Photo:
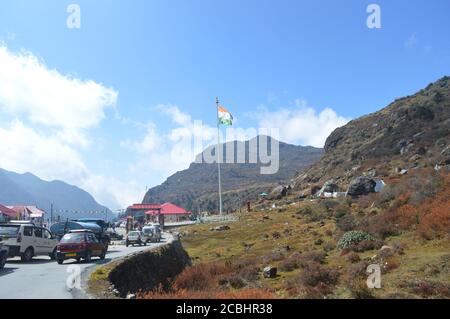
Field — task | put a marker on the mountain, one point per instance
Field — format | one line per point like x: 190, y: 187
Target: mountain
x: 412, y: 132
x: 196, y: 188
x: 27, y: 189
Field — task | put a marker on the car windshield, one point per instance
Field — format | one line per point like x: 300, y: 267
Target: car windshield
x: 9, y: 230
x: 147, y: 231
x: 134, y: 233
x: 72, y: 238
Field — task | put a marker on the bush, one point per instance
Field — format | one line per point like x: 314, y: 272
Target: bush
x: 367, y: 245
x: 353, y: 257
x: 352, y: 238
x: 314, y: 273
x: 346, y: 223
x: 249, y: 273
x: 200, y: 277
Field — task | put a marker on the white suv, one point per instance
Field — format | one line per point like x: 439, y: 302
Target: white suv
x: 27, y: 240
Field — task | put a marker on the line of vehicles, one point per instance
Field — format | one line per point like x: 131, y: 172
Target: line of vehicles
x: 79, y: 239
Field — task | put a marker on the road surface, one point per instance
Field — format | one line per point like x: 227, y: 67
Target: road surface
x: 43, y: 278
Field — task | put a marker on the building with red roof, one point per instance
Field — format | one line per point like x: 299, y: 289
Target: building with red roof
x: 171, y: 213
x: 7, y: 213
x: 167, y: 212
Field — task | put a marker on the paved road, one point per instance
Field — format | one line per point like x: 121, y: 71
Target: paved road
x: 45, y: 279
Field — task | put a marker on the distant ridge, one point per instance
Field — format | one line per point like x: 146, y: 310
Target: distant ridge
x: 28, y: 189
x: 196, y: 188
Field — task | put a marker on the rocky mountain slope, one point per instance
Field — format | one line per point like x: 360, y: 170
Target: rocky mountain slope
x: 411, y: 132
x: 196, y: 188
x: 27, y: 189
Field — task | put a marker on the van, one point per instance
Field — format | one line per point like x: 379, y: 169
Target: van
x: 26, y: 240
x: 152, y: 232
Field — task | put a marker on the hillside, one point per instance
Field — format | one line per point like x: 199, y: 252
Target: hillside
x: 27, y: 189
x: 197, y: 187
x: 412, y: 132
x: 326, y: 247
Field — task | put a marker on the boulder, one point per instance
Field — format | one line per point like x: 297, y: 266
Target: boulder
x: 361, y: 186
x: 270, y: 272
x: 221, y: 228
x: 329, y: 187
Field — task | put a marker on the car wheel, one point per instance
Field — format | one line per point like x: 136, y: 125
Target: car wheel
x: 88, y: 256
x: 2, y: 261
x: 78, y: 259
x: 27, y: 255
x: 103, y: 255
x: 60, y: 261
x: 53, y: 254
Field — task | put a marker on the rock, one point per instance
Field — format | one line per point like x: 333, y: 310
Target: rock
x: 328, y: 187
x: 280, y: 191
x: 386, y: 247
x: 270, y: 272
x: 221, y: 228
x: 446, y: 151
x: 361, y: 186
x: 131, y: 296
x: 403, y: 171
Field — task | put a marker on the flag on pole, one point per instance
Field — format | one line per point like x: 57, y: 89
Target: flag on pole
x: 224, y: 117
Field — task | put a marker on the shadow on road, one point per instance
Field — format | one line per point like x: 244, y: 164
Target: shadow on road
x: 32, y: 262
x: 7, y: 270
x: 82, y: 262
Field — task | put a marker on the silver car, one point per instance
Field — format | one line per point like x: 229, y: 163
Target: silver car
x: 134, y: 237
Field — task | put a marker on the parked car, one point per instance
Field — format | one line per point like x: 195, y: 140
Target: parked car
x: 28, y: 240
x: 153, y: 233
x: 134, y: 237
x: 3, y: 255
x: 80, y: 244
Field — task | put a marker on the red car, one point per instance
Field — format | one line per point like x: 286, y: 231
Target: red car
x: 79, y: 244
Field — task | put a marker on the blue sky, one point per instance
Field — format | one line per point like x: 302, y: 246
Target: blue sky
x: 303, y: 66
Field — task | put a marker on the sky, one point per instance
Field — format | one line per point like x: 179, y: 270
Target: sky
x: 105, y: 106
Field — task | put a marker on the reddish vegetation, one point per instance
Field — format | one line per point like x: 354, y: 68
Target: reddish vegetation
x: 209, y: 281
x: 427, y: 212
x: 248, y: 293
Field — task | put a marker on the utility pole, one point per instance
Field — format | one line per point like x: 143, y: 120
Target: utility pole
x: 51, y: 214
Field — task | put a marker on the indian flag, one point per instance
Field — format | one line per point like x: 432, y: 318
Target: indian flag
x: 224, y: 117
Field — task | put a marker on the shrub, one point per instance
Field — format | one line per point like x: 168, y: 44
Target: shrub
x: 200, y: 277
x: 353, y: 257
x: 352, y: 238
x: 346, y: 223
x: 367, y: 245
x: 249, y: 273
x: 314, y: 273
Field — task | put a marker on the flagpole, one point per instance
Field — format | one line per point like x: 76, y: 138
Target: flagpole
x: 218, y: 157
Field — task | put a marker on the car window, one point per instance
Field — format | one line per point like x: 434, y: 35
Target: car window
x: 28, y: 231
x: 9, y: 230
x: 38, y: 232
x: 94, y: 239
x: 47, y: 234
x: 72, y: 238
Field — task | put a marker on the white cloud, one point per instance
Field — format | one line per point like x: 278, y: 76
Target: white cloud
x: 165, y: 152
x: 52, y: 115
x: 22, y: 149
x: 45, y: 96
x: 301, y: 124
x: 150, y: 142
